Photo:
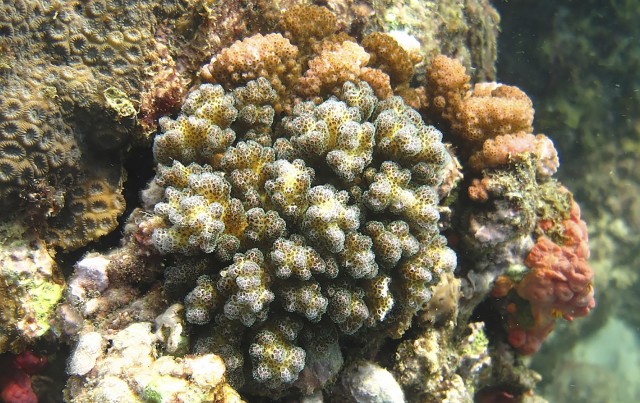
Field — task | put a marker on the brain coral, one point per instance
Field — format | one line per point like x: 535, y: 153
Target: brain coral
x: 71, y: 75
x: 35, y: 143
x: 317, y: 228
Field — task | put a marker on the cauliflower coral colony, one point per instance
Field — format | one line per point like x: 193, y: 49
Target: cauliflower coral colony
x: 299, y: 202
x: 330, y: 221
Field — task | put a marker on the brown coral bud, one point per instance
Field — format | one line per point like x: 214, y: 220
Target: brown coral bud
x: 388, y: 56
x: 378, y: 80
x: 414, y: 97
x: 447, y: 82
x: 479, y: 190
x: 492, y: 109
x: 336, y: 64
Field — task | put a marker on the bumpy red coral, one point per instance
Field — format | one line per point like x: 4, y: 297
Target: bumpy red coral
x: 558, y: 284
x: 15, y: 380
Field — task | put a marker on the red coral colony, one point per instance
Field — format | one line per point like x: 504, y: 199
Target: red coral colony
x: 557, y: 284
x: 15, y: 376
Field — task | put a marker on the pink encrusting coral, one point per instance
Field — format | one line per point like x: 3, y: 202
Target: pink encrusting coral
x: 510, y: 148
x: 558, y: 284
x: 561, y: 269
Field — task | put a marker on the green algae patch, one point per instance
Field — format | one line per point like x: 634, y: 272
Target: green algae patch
x: 169, y: 389
x: 30, y: 287
x: 44, y: 298
x: 478, y: 344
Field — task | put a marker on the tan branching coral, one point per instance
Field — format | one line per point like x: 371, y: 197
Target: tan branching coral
x: 335, y: 64
x: 311, y: 60
x: 490, y: 110
x: 447, y: 84
x: 388, y: 56
x: 307, y: 25
x: 494, y: 121
x: 271, y: 56
x: 475, y: 114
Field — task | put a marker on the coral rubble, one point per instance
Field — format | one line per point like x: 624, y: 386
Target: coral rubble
x: 131, y: 347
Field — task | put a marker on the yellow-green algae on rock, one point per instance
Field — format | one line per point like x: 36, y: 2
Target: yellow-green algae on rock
x: 30, y: 287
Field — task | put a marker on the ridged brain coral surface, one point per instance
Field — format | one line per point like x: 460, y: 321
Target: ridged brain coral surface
x: 331, y: 219
x: 71, y: 75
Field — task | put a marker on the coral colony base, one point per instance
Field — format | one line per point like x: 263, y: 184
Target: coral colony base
x: 308, y: 231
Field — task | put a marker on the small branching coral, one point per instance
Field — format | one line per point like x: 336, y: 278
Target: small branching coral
x: 321, y: 226
x: 308, y: 59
